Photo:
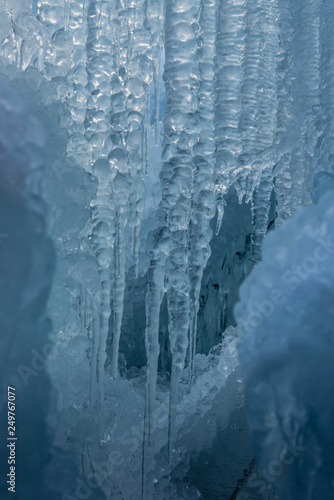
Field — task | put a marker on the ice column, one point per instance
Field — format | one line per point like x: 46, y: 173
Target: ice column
x: 325, y: 123
x: 181, y: 135
x: 97, y: 123
x: 306, y: 97
x: 203, y: 202
x: 282, y: 184
x: 230, y: 46
x: 260, y: 176
x: 171, y: 240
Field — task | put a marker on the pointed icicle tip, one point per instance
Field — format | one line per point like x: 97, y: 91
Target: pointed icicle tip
x: 220, y: 215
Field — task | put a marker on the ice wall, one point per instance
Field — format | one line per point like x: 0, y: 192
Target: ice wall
x: 286, y: 352
x: 27, y: 263
x: 27, y: 260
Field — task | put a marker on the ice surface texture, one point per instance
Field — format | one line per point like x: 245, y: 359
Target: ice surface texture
x: 286, y: 352
x: 248, y: 113
x: 27, y: 262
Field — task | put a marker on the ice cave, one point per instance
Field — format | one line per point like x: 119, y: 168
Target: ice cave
x: 167, y: 249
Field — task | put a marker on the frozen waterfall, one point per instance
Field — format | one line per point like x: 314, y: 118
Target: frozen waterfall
x: 155, y: 144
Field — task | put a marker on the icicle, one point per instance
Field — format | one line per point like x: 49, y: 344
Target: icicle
x: 282, y: 189
x: 93, y: 392
x: 182, y: 132
x: 147, y: 130
x: 104, y: 328
x: 282, y: 185
x: 220, y: 213
x: 260, y: 213
x: 178, y: 325
x: 326, y: 115
x: 267, y: 100
x: 155, y: 292
x: 310, y: 23
x: 97, y: 125
x: 156, y: 78
x: 154, y: 23
x: 66, y: 14
x: 101, y: 239
x: 154, y: 295
x: 84, y: 10
x: 121, y: 193
x: 181, y: 126
x: 266, y: 114
x: 305, y: 62
x: 250, y: 83
x: 230, y: 45
x: 136, y: 78
x: 32, y: 38
x: 327, y: 68
x: 203, y: 188
x: 139, y: 213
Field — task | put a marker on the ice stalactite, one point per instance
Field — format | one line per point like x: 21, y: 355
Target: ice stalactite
x: 260, y: 212
x: 100, y: 68
x: 203, y: 203
x: 170, y: 255
x: 66, y: 14
x: 310, y: 36
x: 101, y: 238
x: 298, y: 97
x: 119, y: 165
x: 282, y: 183
x: 130, y: 133
x: 78, y: 75
x: 250, y: 116
x: 154, y: 21
x: 121, y: 195
x: 266, y: 114
x: 267, y: 88
x: 32, y: 39
x: 230, y: 47
x: 251, y: 62
x: 155, y: 292
x: 154, y: 295
x: 325, y: 120
x: 181, y: 135
x: 306, y: 60
x: 250, y: 105
x: 138, y: 127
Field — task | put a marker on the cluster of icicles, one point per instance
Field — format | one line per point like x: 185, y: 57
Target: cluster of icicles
x: 249, y: 103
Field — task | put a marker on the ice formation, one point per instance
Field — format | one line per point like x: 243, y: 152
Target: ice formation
x: 159, y: 118
x: 285, y: 321
x: 26, y: 262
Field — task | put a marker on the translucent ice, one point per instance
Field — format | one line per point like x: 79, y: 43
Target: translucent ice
x: 162, y: 121
x: 286, y: 327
